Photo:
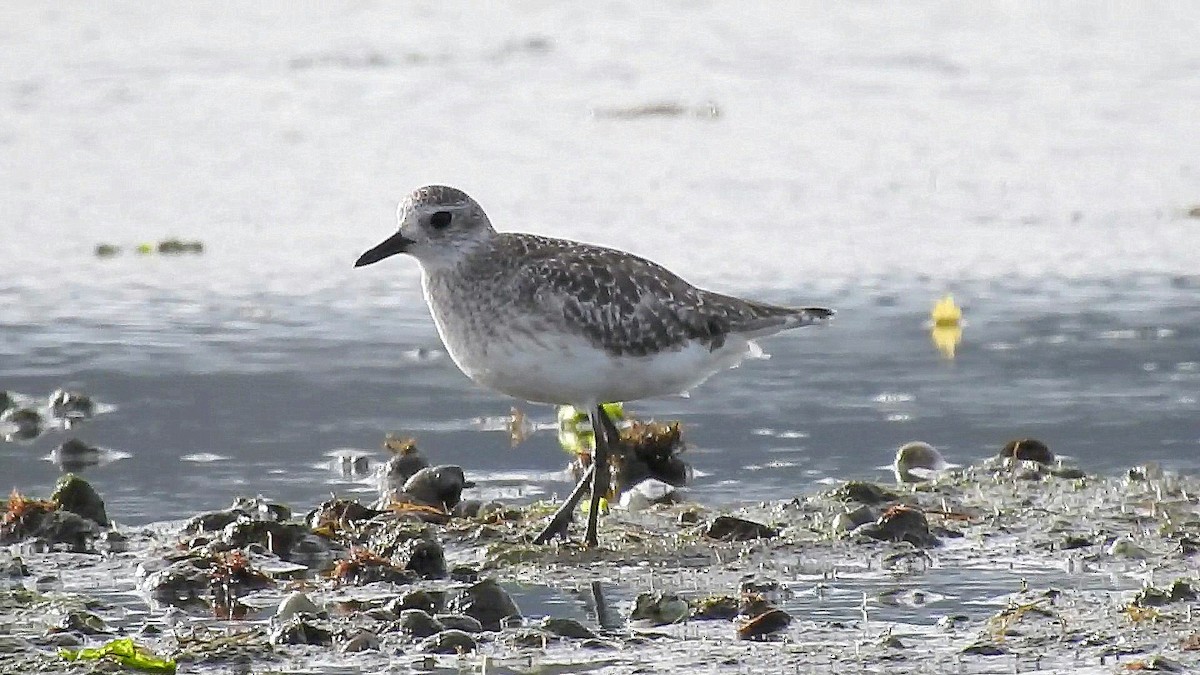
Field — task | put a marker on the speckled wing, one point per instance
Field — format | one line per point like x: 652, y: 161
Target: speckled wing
x: 630, y: 306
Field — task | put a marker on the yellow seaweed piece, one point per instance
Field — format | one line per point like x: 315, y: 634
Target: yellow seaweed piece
x: 125, y: 652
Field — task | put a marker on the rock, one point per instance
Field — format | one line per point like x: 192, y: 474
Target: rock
x: 916, y: 462
x: 1074, y: 541
x: 1028, y: 450
x: 260, y: 508
x: 985, y: 649
x: 418, y: 623
x: 731, y: 528
x: 448, y: 642
x: 863, y: 493
x: 430, y: 602
x: 181, y: 581
x: 424, y: 557
x: 716, y: 607
x: 365, y: 567
x: 464, y: 573
x: 76, y: 495
x: 439, y: 486
x: 45, y: 521
x: 6, y: 401
x: 660, y: 609
x: 486, y: 602
x: 75, y: 455
x: 901, y: 523
x: 81, y: 622
x: 568, y: 628
x: 649, y: 492
x: 1163, y: 664
x: 770, y: 621
x: 299, y: 630
x: 337, y: 512
x: 71, y: 404
x: 278, y: 538
x: 296, y: 603
x: 28, y: 422
x: 854, y: 518
x: 526, y: 638
x: 460, y: 622
x: 1124, y: 547
x: 401, y: 466
x: 14, y: 568
x: 211, y: 521
x: 362, y: 641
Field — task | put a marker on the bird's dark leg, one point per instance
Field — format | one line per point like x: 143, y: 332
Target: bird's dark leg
x: 562, y: 517
x: 604, y: 431
x: 600, y: 430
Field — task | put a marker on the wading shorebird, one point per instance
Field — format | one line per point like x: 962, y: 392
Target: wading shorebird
x: 561, y: 322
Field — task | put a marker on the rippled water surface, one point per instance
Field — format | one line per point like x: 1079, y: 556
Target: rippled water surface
x: 1039, y: 163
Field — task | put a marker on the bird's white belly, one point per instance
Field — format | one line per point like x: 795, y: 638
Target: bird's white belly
x: 566, y: 369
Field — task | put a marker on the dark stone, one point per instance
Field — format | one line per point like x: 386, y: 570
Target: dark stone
x: 76, y: 495
x: 568, y: 628
x: 300, y: 631
x: 448, y: 642
x: 1028, y: 450
x: 901, y: 523
x: 261, y: 509
x: 460, y: 622
x: 418, y: 623
x: 464, y: 573
x: 730, y: 528
x: 439, y: 486
x: 486, y: 602
x: 864, y: 493
x: 403, y: 465
x: 81, y: 622
x: 1073, y: 541
x: 6, y: 401
x: 425, y: 557
x: 211, y: 521
x: 27, y: 420
x: 716, y: 607
x: 985, y: 649
x: 278, y: 538
x: 362, y: 641
x: 430, y: 602
x: 770, y: 621
x: 335, y: 512
x: 71, y: 404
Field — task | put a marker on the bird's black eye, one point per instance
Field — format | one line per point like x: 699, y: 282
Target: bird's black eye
x: 440, y: 220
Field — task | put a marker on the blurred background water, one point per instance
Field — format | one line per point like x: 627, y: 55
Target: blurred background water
x: 1037, y: 161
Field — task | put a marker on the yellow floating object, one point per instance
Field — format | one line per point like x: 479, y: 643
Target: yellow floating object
x: 575, y: 429
x: 946, y: 339
x: 946, y: 313
x: 145, y: 249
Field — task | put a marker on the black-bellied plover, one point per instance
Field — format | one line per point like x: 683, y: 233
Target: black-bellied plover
x: 556, y: 321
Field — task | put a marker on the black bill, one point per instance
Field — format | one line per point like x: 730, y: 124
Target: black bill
x: 397, y: 243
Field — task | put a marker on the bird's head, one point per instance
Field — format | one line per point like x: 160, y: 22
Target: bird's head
x: 438, y: 225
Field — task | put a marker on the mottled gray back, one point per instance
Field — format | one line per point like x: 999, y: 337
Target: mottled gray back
x: 621, y: 303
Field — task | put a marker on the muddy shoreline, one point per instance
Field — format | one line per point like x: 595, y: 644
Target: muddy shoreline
x: 1102, y: 577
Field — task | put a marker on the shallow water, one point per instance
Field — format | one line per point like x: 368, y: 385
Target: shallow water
x: 1036, y: 162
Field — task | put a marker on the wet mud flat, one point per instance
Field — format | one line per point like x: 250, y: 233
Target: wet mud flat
x: 1006, y: 566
